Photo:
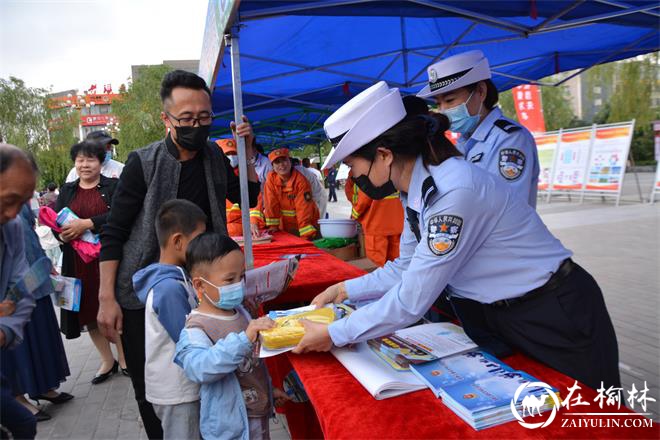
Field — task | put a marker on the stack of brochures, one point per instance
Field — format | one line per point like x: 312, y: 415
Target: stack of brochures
x: 479, y: 388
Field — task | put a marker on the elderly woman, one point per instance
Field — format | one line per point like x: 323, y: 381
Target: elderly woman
x: 89, y: 197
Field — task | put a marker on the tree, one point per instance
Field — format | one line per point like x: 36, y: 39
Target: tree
x: 139, y: 110
x: 48, y: 133
x: 54, y: 161
x: 636, y: 80
x: 557, y: 111
x: 23, y: 115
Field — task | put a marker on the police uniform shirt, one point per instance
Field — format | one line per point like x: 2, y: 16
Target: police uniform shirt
x: 506, y: 149
x: 473, y: 233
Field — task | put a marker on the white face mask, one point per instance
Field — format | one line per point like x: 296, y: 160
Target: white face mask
x: 233, y: 160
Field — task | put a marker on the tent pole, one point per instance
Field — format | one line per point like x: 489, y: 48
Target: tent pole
x: 231, y: 40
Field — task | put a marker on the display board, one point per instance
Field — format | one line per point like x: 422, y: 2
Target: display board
x: 587, y: 161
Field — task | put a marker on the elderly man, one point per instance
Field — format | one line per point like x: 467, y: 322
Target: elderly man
x: 17, y: 181
x: 184, y: 165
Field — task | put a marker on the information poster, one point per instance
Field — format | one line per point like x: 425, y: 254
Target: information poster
x: 656, y: 184
x: 608, y: 159
x: 572, y: 161
x: 546, y: 146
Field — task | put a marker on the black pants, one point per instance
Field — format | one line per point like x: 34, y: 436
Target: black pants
x: 332, y: 193
x: 133, y: 340
x: 13, y: 416
x: 566, y: 327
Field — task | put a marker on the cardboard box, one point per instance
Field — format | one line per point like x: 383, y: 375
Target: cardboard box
x: 346, y: 253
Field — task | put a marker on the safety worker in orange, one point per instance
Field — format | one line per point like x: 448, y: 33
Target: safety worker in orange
x: 234, y: 221
x: 381, y: 220
x: 288, y: 202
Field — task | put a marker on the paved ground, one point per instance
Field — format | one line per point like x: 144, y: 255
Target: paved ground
x: 620, y: 246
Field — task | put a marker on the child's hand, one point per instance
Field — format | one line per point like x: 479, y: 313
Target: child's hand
x: 256, y: 325
x: 280, y: 397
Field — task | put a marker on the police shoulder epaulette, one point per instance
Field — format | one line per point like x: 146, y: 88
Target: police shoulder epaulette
x: 507, y: 126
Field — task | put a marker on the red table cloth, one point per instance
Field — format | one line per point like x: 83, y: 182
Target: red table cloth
x: 316, y: 272
x: 346, y: 410
x: 282, y: 241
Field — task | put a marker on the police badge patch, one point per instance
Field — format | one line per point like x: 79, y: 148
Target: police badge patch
x: 512, y: 163
x: 444, y: 232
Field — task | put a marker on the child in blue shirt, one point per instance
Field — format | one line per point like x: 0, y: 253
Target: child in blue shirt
x: 168, y: 297
x: 217, y: 347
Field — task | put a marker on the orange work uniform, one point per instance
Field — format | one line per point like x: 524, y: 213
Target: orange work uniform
x: 234, y: 221
x: 381, y: 220
x: 289, y: 206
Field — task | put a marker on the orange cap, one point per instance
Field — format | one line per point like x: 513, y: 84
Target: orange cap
x: 227, y: 145
x: 280, y: 152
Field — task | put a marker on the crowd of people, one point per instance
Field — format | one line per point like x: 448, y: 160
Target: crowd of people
x: 166, y: 284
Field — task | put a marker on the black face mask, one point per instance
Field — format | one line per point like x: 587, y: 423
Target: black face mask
x: 192, y: 138
x: 374, y: 192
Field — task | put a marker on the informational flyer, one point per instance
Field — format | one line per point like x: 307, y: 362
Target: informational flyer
x: 572, y: 161
x: 608, y: 158
x: 546, y: 146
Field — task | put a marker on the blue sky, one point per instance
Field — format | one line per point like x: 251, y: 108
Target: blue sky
x: 72, y: 44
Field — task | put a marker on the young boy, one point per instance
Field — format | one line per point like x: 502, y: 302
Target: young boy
x: 169, y: 297
x: 216, y: 349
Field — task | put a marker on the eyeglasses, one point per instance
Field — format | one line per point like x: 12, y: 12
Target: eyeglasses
x: 187, y: 121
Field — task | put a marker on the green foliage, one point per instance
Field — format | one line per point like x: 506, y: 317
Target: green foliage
x: 55, y: 161
x: 507, y: 105
x: 23, y: 115
x: 557, y: 110
x: 635, y: 84
x: 139, y: 111
x: 27, y: 122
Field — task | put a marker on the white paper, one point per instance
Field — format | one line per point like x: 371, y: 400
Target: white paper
x: 441, y: 339
x: 378, y: 378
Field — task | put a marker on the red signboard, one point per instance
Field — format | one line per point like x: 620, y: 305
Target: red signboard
x: 92, y: 120
x: 527, y: 99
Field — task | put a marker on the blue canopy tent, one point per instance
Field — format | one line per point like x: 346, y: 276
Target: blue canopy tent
x: 300, y: 60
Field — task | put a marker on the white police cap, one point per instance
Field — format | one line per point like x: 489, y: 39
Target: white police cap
x: 361, y: 120
x: 455, y: 72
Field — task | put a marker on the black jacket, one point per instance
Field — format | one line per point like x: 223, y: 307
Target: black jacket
x: 106, y: 188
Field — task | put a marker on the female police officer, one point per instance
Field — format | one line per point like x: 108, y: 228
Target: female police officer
x: 463, y: 227
x: 464, y: 93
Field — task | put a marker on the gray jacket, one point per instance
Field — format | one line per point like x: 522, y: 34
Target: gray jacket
x: 161, y: 176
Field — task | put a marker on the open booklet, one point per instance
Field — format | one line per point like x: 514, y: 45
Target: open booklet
x: 421, y: 343
x: 377, y: 377
x: 268, y: 282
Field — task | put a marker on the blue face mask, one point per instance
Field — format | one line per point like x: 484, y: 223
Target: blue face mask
x: 108, y: 156
x: 461, y: 120
x: 229, y: 297
x: 233, y: 160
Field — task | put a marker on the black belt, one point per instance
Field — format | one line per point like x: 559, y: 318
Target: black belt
x: 565, y: 268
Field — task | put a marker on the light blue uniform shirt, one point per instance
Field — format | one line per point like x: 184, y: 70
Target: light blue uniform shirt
x: 505, y: 149
x: 474, y: 233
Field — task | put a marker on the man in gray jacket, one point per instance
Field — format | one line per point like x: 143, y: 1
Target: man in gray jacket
x: 184, y: 165
x: 17, y: 181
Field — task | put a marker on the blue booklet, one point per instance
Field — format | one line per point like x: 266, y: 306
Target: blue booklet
x: 442, y: 373
x: 489, y: 392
